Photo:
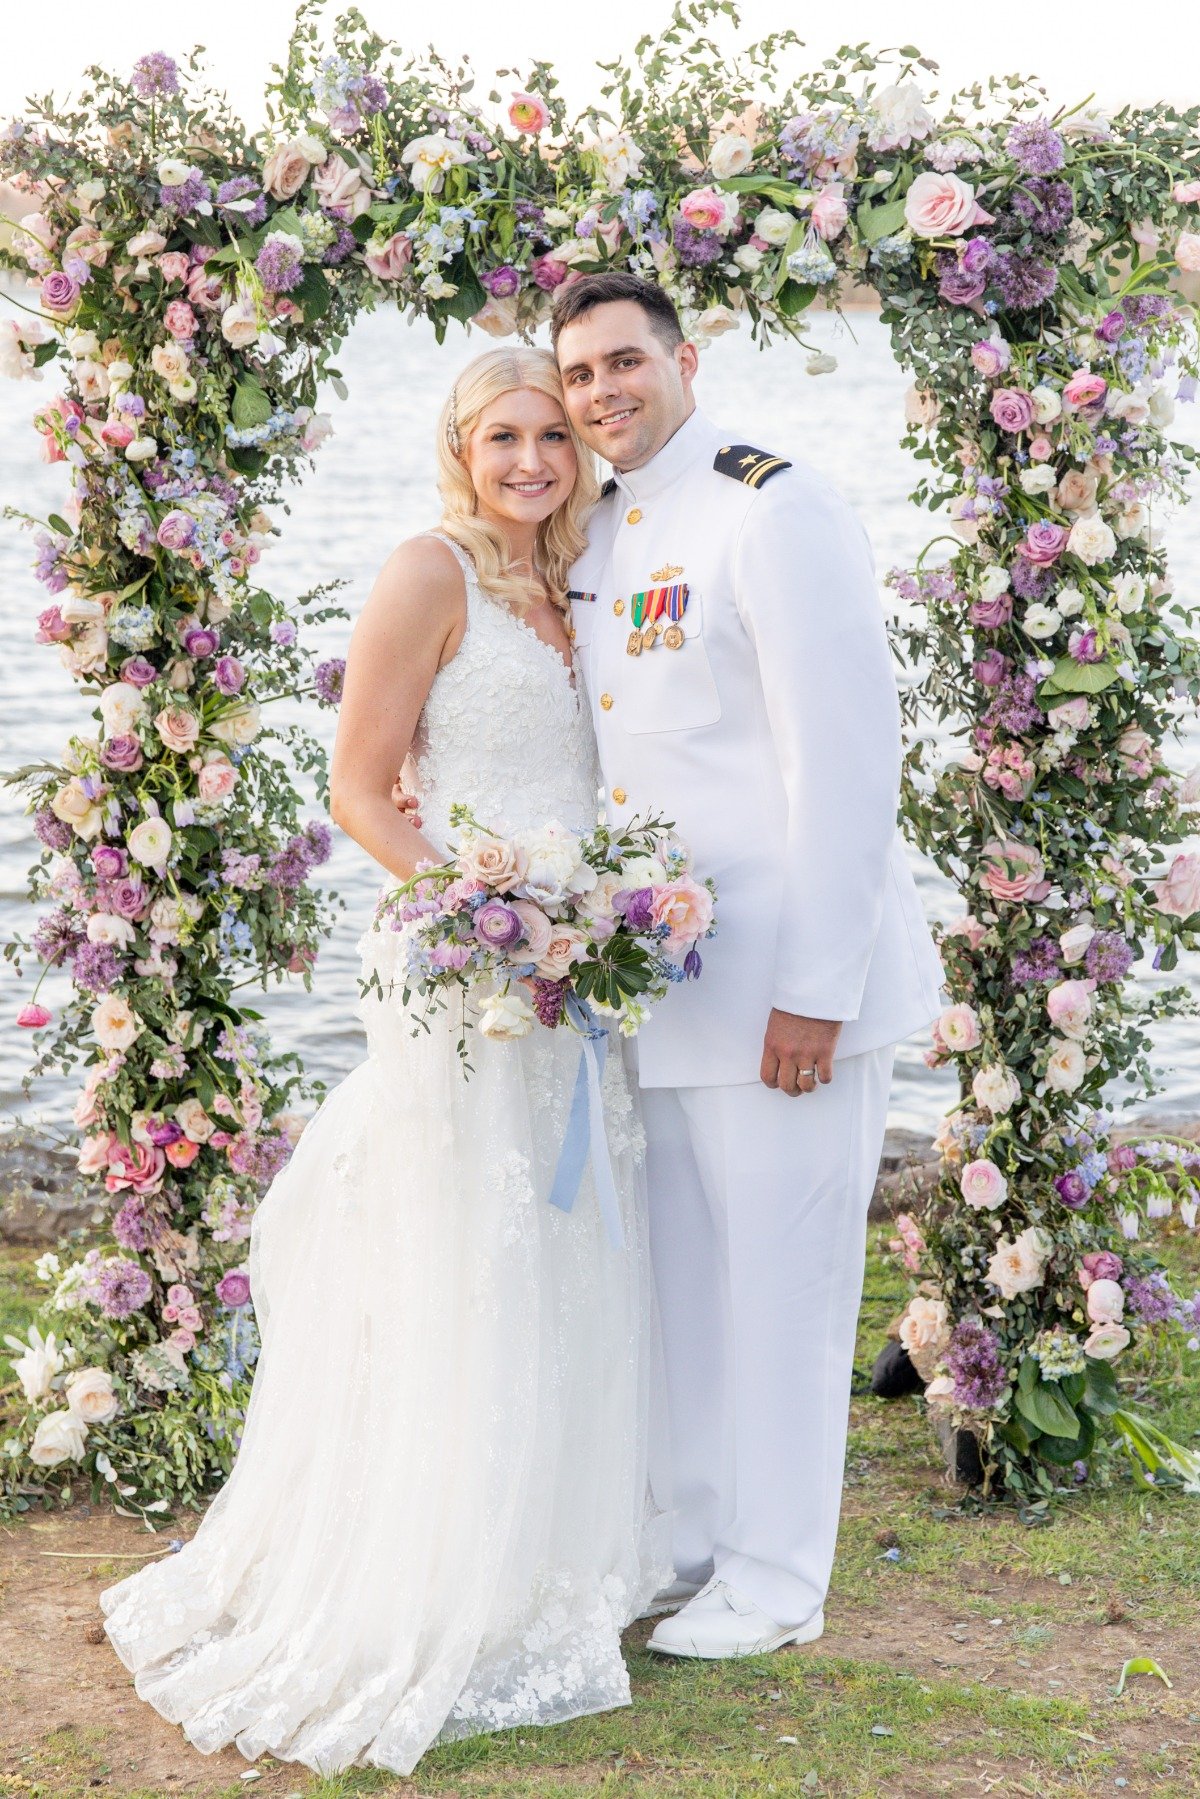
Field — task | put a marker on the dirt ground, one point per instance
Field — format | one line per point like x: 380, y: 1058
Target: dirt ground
x: 60, y: 1682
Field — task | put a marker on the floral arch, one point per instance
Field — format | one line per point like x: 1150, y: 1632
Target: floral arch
x: 194, y: 284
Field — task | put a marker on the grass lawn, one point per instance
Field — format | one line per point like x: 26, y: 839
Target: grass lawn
x: 966, y: 1652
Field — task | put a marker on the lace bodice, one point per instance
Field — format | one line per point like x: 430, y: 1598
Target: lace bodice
x: 503, y: 729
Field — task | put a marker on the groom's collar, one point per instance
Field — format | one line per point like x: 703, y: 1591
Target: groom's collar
x: 694, y: 438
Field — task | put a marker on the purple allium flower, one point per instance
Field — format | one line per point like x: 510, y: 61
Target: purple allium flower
x: 638, y: 908
x: 1110, y: 327
x: 372, y: 94
x: 241, y: 188
x: 343, y: 244
x: 138, y: 672
x: 1036, y: 147
x: 261, y: 1157
x: 973, y: 1358
x: 97, y: 967
x: 54, y: 832
x: 1048, y: 206
x: 185, y: 198
x: 328, y: 679
x: 123, y: 754
x: 56, y: 935
x: 154, y: 74
x: 320, y: 841
x: 497, y: 926
x: 1023, y: 281
x: 124, y: 1288
x: 1041, y: 961
x: 280, y: 263
x: 957, y: 284
x: 129, y: 1226
x: 1109, y: 956
x: 283, y: 633
x: 1072, y: 1189
x: 696, y: 249
x: 549, y: 1000
x: 233, y: 1288
x: 1143, y: 307
x: 1151, y: 1298
x: 1031, y: 580
x: 501, y: 282
x: 228, y: 674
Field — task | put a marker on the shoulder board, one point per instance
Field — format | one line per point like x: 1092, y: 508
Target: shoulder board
x: 742, y: 462
x: 610, y: 486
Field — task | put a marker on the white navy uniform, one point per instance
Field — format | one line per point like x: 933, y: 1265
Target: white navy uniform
x: 769, y: 734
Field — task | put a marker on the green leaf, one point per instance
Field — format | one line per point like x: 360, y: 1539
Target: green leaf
x: 250, y: 404
x: 1045, y: 1406
x: 1101, y: 1394
x: 313, y: 293
x: 469, y: 299
x: 794, y: 296
x: 1140, y: 1664
x: 1062, y: 1451
x: 246, y: 461
x: 46, y: 353
x: 1078, y: 677
x: 875, y: 222
x: 57, y: 523
x: 1029, y: 1373
x: 260, y: 608
x: 780, y: 193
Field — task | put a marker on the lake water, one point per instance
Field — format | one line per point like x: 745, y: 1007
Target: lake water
x: 373, y: 485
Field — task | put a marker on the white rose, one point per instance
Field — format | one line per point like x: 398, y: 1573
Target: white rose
x: 169, y: 361
x: 1069, y: 601
x: 38, y: 1362
x: 109, y: 927
x: 92, y: 380
x: 1074, y: 943
x: 993, y: 582
x: 775, y: 226
x: 1039, y: 479
x: 240, y: 726
x: 115, y: 1025
x: 1040, y: 621
x: 732, y: 154
x: 1018, y: 1266
x: 90, y: 1396
x: 1046, y: 404
x: 194, y: 1121
x: 505, y: 1016
x: 900, y: 117
x: 996, y: 1089
x: 239, y: 322
x: 1131, y: 521
x: 1066, y: 1067
x: 557, y: 218
x: 121, y: 706
x: 1091, y: 540
x: 71, y: 803
x: 146, y: 243
x: 713, y: 322
x: 58, y: 1438
x: 925, y: 1325
x: 748, y: 259
x: 150, y: 842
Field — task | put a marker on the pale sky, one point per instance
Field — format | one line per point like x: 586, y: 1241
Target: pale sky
x: 1074, y: 50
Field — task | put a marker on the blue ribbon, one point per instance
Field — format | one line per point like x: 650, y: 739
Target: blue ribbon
x: 585, y: 1128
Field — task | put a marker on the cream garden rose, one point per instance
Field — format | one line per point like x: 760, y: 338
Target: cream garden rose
x: 90, y: 1396
x: 60, y: 1437
x: 1066, y: 1065
x: 996, y: 1089
x: 506, y: 1016
x: 1019, y: 1263
x: 115, y: 1025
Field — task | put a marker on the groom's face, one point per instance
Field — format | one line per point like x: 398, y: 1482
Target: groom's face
x: 626, y: 390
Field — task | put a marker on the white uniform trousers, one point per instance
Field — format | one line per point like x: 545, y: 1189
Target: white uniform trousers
x: 758, y: 1212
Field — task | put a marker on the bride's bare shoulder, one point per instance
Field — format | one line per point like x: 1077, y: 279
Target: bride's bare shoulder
x: 421, y: 574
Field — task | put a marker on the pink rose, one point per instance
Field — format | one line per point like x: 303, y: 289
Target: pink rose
x: 969, y: 928
x: 566, y: 946
x: 217, y: 779
x: 1012, y: 409
x: 1014, y: 871
x: 179, y: 319
x: 177, y: 728
x: 1187, y: 252
x: 704, y: 209
x: 685, y: 907
x: 830, y: 212
x: 1179, y: 894
x: 340, y: 189
x: 1187, y: 193
x: 536, y: 927
x: 942, y: 206
x: 1070, y: 715
x: 1084, y: 389
x: 1040, y: 449
x: 139, y: 1168
x: 388, y: 261
x: 285, y: 171
x: 205, y: 290
x: 529, y: 113
x: 1069, y: 1005
x: 173, y: 266
x: 1099, y: 1265
x: 991, y: 356
x: 548, y: 274
x: 1043, y: 543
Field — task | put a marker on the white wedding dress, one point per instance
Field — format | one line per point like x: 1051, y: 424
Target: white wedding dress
x: 440, y: 1518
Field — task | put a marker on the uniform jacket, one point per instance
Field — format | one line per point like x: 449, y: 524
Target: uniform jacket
x: 770, y: 738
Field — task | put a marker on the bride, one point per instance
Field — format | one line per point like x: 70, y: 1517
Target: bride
x: 440, y: 1519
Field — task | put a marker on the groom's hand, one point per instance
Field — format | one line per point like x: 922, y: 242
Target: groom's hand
x: 405, y: 802
x: 794, y: 1046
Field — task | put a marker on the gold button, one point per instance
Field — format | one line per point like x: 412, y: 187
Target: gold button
x: 633, y: 515
x: 606, y: 700
x: 618, y: 607
x: 618, y: 796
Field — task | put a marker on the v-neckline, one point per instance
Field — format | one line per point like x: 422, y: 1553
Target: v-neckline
x: 568, y: 668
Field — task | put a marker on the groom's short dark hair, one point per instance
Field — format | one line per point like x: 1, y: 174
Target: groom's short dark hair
x: 580, y: 297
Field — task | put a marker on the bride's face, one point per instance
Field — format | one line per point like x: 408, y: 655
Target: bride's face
x: 520, y: 457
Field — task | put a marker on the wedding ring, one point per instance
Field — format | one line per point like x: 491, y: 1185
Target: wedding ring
x: 803, y: 1071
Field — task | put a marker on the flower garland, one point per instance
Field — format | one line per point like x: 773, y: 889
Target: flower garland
x: 197, y: 283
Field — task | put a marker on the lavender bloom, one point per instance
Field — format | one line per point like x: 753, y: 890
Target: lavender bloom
x: 341, y: 247
x: 549, y: 1000
x: 54, y: 832
x: 695, y: 249
x: 1151, y: 1299
x: 186, y: 197
x: 283, y: 633
x: 1109, y: 956
x: 1072, y: 1190
x: 320, y: 841
x: 328, y: 680
x: 1031, y: 580
x: 57, y: 935
x: 279, y: 263
x: 1048, y: 207
x: 1036, y: 147
x: 1143, y: 307
x: 124, y: 1288
x: 97, y: 967
x: 261, y: 1157
x: 200, y: 641
x: 638, y: 907
x: 1042, y: 961
x: 154, y: 74
x: 978, y: 255
x: 973, y: 1359
x: 241, y: 188
x: 228, y: 675
x: 233, y: 1288
x: 129, y: 1226
x: 1024, y: 282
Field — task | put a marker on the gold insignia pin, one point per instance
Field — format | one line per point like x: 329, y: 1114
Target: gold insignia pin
x: 667, y: 573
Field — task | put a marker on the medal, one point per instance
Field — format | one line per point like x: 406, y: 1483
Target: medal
x: 634, y: 645
x: 673, y: 637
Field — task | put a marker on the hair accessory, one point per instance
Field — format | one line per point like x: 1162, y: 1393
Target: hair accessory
x: 452, y: 432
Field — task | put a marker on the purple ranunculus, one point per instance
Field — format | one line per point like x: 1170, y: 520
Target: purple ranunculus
x: 1103, y: 1265
x: 989, y: 615
x: 138, y: 672
x: 59, y: 293
x: 959, y: 286
x: 1044, y: 543
x: 177, y: 530
x: 639, y: 907
x: 1012, y: 409
x: 497, y: 926
x: 1122, y: 1157
x: 110, y: 863
x: 1110, y: 327
x: 1071, y: 1189
x: 503, y: 282
x: 200, y: 641
x: 1085, y: 646
x: 228, y: 674
x: 990, y: 668
x: 548, y: 274
x: 978, y: 255
x: 233, y: 1288
x: 162, y: 1131
x: 122, y: 754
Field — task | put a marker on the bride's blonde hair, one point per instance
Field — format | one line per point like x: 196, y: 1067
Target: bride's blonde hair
x: 560, y: 537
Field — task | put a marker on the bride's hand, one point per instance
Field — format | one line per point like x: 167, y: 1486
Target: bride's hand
x: 406, y: 802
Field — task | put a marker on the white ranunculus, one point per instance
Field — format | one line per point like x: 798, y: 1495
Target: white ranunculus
x: 109, y: 927
x: 1067, y: 1065
x: 150, y: 842
x: 1069, y: 601
x: 748, y: 258
x: 172, y: 171
x: 1038, y: 479
x: 1040, y: 621
x: 1092, y: 540
x: 1106, y: 1341
x: 38, y: 1361
x: 89, y: 1393
x: 1047, y: 404
x: 1018, y: 1265
x: 505, y: 1016
x: 996, y: 1088
x: 58, y: 1438
x: 732, y: 154
x: 993, y: 582
x: 774, y: 225
x: 1129, y: 591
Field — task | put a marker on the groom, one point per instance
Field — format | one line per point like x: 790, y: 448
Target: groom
x: 758, y: 711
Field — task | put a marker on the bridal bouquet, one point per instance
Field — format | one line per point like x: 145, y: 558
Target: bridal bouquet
x: 559, y: 925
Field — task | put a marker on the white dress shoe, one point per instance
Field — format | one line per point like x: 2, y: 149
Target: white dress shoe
x: 720, y: 1623
x: 671, y: 1598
